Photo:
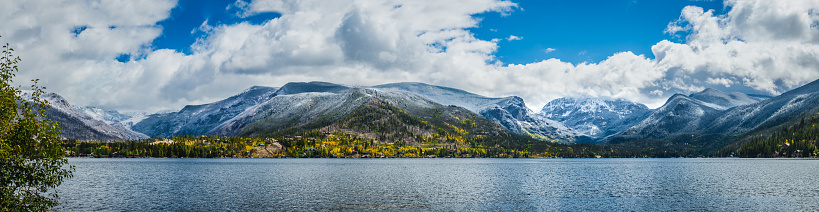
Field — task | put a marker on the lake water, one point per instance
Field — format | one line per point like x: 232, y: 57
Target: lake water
x: 441, y: 185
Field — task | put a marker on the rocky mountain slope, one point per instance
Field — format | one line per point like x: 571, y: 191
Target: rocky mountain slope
x: 299, y: 104
x: 769, y: 113
x: 203, y: 119
x: 597, y: 118
x: 511, y: 112
x: 721, y: 116
x: 75, y: 124
x: 385, y: 116
x: 417, y: 112
x: 377, y: 115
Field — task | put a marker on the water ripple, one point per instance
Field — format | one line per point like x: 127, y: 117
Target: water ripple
x: 440, y: 185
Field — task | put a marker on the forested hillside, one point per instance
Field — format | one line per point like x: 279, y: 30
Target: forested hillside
x: 797, y: 139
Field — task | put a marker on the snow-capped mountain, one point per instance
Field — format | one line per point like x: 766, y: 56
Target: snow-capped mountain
x: 201, y: 119
x: 329, y: 107
x: 596, y: 118
x: 75, y: 124
x: 293, y: 105
x: 383, y: 116
x: 511, y: 112
x: 310, y: 105
x: 686, y: 114
x: 299, y: 105
x: 135, y: 117
x: 113, y: 116
x: 769, y: 113
x: 307, y: 105
x: 107, y: 116
x: 725, y: 100
x: 260, y: 111
x: 308, y: 87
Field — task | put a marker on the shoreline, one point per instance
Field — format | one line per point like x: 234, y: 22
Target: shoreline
x: 438, y: 158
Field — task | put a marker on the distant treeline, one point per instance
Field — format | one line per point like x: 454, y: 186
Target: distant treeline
x: 330, y: 145
x: 180, y: 146
x: 797, y: 139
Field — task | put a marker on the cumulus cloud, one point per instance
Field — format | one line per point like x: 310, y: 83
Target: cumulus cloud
x: 71, y: 46
x: 767, y: 46
x: 758, y: 46
x: 549, y: 50
x: 512, y: 37
x: 720, y: 81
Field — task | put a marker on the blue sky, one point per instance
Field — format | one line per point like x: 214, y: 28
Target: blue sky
x: 583, y: 30
x: 154, y: 55
x: 179, y: 31
x: 577, y: 31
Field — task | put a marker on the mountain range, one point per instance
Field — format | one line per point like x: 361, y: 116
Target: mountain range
x: 75, y: 123
x: 597, y: 118
x: 709, y: 118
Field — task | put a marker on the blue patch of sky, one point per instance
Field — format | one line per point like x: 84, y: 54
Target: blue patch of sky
x: 123, y: 58
x: 583, y: 30
x: 77, y: 30
x: 179, y: 31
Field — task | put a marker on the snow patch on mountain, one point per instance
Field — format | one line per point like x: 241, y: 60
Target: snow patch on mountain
x: 724, y: 100
x: 201, y: 119
x: 107, y: 116
x: 596, y: 118
x: 511, y: 112
x: 797, y: 102
x: 768, y: 113
x: 443, y: 95
x: 695, y: 113
x: 92, y: 128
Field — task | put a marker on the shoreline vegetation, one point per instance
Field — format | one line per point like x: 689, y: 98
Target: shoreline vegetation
x: 315, y: 144
x: 319, y: 145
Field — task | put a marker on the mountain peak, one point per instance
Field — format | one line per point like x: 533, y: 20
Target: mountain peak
x: 597, y: 118
x: 307, y: 87
x: 711, y: 90
x: 256, y: 87
x: 419, y: 87
x: 723, y: 99
x: 676, y: 97
x: 807, y: 88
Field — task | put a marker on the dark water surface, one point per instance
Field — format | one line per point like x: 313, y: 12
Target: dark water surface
x: 441, y: 185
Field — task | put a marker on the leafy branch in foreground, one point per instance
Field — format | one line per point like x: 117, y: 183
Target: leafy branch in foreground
x: 30, y: 147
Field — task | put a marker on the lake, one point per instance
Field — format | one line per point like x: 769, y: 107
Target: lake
x: 441, y: 185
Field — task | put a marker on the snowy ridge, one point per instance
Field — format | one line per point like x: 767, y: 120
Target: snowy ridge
x: 279, y: 112
x: 297, y: 110
x: 107, y: 116
x: 679, y: 115
x: 296, y: 104
x: 768, y: 113
x: 260, y: 110
x: 201, y: 119
x: 442, y: 95
x: 134, y: 118
x: 511, y: 112
x: 75, y: 124
x: 596, y: 118
x: 718, y: 113
x: 721, y: 100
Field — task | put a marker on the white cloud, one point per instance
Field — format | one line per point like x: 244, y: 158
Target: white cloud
x: 549, y: 50
x: 720, y: 81
x: 512, y: 37
x: 758, y: 46
x: 767, y: 46
x: 81, y: 66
